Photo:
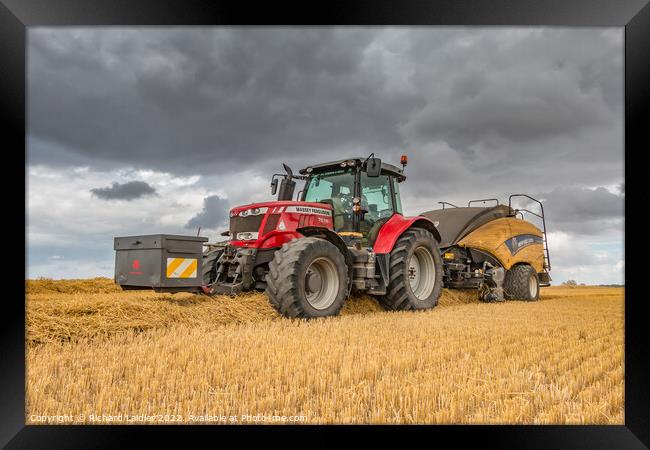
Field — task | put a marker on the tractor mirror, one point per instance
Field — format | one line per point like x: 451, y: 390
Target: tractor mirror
x: 274, y: 186
x: 373, y: 168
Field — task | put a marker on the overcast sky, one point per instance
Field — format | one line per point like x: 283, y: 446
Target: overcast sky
x: 162, y: 130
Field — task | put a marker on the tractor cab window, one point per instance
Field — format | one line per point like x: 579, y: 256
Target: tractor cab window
x: 376, y: 200
x: 336, y: 188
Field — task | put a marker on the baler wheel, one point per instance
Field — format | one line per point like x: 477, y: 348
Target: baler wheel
x: 521, y: 283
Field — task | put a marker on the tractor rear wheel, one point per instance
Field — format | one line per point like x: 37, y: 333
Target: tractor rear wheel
x: 307, y: 278
x: 415, y: 273
x: 521, y: 283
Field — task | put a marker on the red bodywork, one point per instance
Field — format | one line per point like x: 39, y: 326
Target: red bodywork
x: 293, y: 218
x: 393, y: 229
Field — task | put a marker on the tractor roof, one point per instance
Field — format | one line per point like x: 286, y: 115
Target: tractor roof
x: 386, y: 168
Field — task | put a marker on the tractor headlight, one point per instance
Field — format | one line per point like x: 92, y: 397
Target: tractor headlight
x: 252, y: 212
x: 257, y: 211
x: 247, y: 236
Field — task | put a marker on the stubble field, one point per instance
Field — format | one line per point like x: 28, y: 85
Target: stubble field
x: 97, y: 355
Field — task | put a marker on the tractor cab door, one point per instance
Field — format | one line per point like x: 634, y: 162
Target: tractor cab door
x: 335, y: 188
x: 377, y: 205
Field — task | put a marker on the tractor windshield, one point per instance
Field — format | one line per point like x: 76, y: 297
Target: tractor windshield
x: 335, y: 188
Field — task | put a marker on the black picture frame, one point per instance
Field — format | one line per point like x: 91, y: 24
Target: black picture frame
x: 634, y: 15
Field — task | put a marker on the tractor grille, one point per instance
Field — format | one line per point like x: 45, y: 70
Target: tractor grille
x: 245, y: 224
x: 271, y: 222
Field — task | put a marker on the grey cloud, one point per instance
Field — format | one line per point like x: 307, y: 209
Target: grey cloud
x: 507, y: 88
x: 209, y: 99
x: 583, y: 211
x: 499, y: 111
x: 214, y: 213
x: 124, y: 191
x: 513, y: 108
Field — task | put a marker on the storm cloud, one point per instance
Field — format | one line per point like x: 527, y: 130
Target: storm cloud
x: 208, y: 99
x: 481, y: 112
x: 214, y: 213
x: 124, y: 191
x: 200, y: 100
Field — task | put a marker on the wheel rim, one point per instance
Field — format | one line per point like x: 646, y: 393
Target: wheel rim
x: 421, y: 273
x: 532, y: 286
x: 321, y: 283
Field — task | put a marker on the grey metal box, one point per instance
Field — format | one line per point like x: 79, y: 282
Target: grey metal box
x: 159, y: 261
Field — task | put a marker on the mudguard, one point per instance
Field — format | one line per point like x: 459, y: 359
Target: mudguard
x: 398, y: 224
x: 332, y: 237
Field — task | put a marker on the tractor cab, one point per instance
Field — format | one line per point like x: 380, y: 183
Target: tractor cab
x: 362, y: 192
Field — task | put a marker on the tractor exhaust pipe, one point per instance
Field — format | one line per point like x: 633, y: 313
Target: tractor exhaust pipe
x: 287, y: 185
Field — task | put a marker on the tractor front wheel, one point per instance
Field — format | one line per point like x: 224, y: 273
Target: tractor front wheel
x: 307, y: 278
x: 521, y: 283
x: 415, y: 272
x: 209, y: 266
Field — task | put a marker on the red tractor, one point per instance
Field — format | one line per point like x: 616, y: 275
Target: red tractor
x: 345, y: 233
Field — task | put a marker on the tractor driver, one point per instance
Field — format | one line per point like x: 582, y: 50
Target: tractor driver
x: 342, y: 202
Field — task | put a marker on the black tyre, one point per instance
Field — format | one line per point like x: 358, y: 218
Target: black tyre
x: 521, y: 283
x: 209, y: 266
x: 415, y: 272
x: 307, y: 278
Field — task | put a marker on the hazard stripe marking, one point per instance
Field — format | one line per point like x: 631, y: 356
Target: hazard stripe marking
x: 182, y: 267
x: 172, y: 265
x: 190, y: 272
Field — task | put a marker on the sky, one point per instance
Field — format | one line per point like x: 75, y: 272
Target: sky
x: 163, y: 129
